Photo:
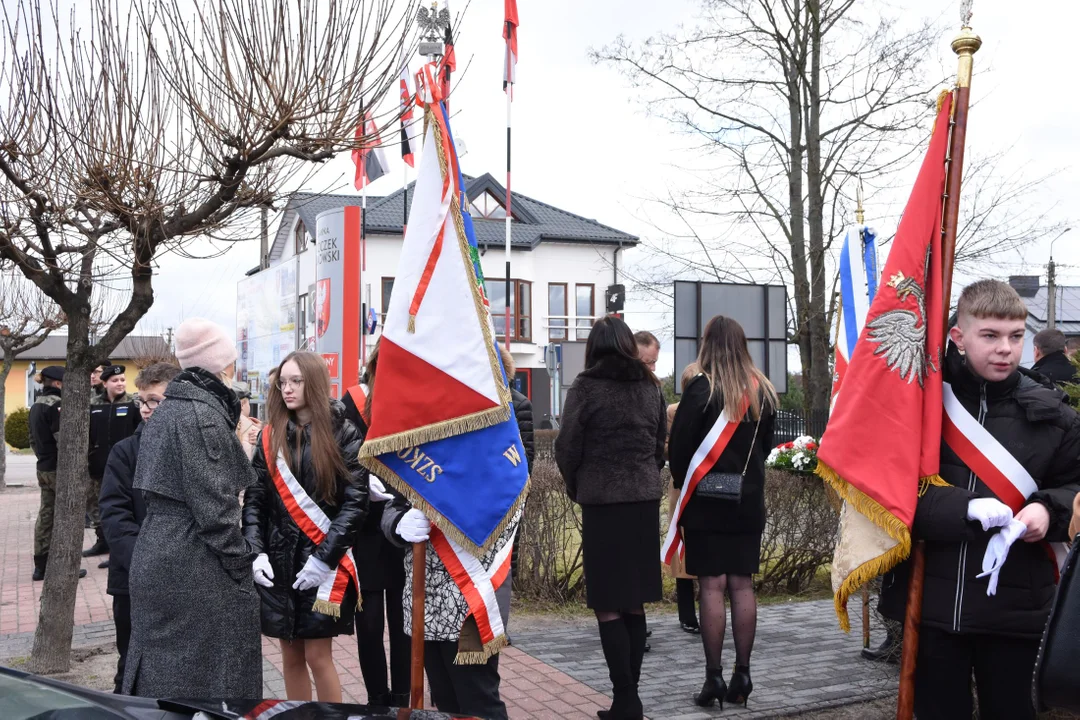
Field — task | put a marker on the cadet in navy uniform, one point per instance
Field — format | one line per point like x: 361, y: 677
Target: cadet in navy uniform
x: 113, y: 417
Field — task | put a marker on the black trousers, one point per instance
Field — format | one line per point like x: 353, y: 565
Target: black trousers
x: 471, y: 690
x: 370, y: 625
x: 1002, y: 668
x: 121, y: 609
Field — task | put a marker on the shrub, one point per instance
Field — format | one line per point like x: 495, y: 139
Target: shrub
x: 800, y: 532
x: 17, y: 429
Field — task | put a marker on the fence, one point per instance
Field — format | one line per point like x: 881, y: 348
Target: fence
x: 790, y: 425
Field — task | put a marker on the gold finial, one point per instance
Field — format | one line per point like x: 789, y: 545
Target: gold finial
x: 859, y: 215
x: 965, y: 45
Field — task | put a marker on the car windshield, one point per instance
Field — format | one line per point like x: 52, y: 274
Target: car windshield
x: 23, y: 700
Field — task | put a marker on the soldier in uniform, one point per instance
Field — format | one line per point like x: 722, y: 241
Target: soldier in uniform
x: 113, y: 417
x: 44, y: 431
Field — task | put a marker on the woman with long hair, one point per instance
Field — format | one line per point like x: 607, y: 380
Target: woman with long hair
x: 301, y: 518
x: 610, y: 450
x: 194, y: 611
x: 722, y: 535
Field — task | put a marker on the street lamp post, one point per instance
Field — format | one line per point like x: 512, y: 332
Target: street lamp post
x: 1051, y: 285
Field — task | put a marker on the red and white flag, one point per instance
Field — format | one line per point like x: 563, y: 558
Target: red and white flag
x: 510, y: 26
x: 409, y: 129
x: 369, y: 158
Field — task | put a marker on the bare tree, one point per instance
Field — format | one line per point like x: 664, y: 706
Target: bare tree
x: 130, y: 128
x: 788, y: 100
x: 26, y: 319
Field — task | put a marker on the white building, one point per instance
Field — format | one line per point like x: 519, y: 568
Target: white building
x: 561, y: 267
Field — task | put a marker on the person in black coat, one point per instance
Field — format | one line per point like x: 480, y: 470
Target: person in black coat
x: 113, y: 417
x: 523, y: 413
x: 312, y: 452
x: 965, y: 631
x: 610, y: 450
x: 381, y: 566
x: 1050, y: 359
x: 723, y: 537
x: 123, y: 509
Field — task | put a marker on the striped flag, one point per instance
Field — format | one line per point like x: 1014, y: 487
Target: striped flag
x: 409, y: 129
x: 510, y: 26
x: 369, y: 158
x: 858, y: 285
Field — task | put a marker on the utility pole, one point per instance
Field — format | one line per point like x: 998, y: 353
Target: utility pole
x: 1051, y: 285
x: 168, y: 339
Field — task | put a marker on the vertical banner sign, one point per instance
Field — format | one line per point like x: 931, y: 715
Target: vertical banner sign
x: 337, y: 301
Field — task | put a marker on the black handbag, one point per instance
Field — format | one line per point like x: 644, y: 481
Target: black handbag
x: 727, y: 485
x: 1056, y: 683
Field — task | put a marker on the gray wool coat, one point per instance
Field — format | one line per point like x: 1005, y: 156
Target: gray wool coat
x: 194, y: 609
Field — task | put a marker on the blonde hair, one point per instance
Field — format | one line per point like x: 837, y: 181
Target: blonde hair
x: 725, y: 361
x: 991, y: 299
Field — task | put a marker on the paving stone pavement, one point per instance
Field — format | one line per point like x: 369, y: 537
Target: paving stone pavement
x: 801, y: 662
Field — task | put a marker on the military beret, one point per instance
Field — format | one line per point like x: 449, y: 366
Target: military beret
x: 53, y: 372
x: 112, y: 370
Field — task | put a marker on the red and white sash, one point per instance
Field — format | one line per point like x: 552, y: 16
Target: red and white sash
x: 990, y: 460
x: 477, y: 584
x: 314, y: 523
x: 710, y: 450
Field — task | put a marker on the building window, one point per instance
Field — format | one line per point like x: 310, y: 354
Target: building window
x: 387, y: 290
x: 585, y: 301
x: 486, y: 206
x: 520, y: 308
x: 300, y: 237
x: 557, y: 311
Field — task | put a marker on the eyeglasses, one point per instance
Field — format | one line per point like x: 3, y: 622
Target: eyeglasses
x: 150, y: 403
x: 294, y: 383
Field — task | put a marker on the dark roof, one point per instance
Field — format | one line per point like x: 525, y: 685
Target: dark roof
x: 1068, y: 309
x: 534, y: 221
x: 55, y: 348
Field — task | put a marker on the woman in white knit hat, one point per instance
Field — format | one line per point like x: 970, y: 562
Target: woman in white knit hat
x: 194, y: 611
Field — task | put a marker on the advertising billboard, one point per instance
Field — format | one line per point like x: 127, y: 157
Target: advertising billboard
x: 337, y: 295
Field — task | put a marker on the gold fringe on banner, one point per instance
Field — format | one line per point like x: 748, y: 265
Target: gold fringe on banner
x: 479, y: 657
x: 435, y: 431
x: 384, y: 473
x: 880, y: 565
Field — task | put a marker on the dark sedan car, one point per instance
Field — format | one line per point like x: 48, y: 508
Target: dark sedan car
x: 30, y: 697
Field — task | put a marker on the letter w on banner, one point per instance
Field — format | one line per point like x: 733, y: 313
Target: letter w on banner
x: 891, y: 399
x: 442, y: 430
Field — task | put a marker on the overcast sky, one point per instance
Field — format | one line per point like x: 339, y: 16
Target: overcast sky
x: 583, y: 143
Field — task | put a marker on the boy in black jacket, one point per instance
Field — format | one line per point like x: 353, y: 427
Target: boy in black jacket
x: 123, y: 509
x: 965, y: 630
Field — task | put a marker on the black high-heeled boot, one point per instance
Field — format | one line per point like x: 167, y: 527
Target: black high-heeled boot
x: 741, y: 685
x: 714, y: 688
x: 616, y: 643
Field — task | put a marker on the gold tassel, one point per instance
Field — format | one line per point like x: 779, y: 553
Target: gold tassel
x: 937, y: 108
x: 325, y: 607
x: 926, y: 482
x: 482, y: 656
x: 412, y: 324
x: 879, y: 565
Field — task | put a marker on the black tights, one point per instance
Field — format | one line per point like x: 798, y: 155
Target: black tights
x: 740, y: 588
x: 370, y: 625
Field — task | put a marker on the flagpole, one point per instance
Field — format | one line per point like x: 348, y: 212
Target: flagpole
x: 860, y: 218
x: 363, y: 267
x: 508, y: 328
x: 965, y: 45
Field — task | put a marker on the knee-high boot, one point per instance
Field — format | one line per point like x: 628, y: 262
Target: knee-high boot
x: 616, y: 642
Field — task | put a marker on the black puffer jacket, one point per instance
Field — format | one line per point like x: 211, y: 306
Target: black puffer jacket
x: 122, y: 510
x: 523, y: 412
x: 287, y: 613
x: 610, y: 447
x: 1056, y: 368
x: 693, y: 421
x: 110, y: 422
x: 1029, y: 416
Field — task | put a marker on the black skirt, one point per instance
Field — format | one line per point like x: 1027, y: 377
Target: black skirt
x: 711, y: 554
x: 621, y: 547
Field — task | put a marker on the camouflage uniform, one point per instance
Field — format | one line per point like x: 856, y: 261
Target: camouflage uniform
x: 44, y: 431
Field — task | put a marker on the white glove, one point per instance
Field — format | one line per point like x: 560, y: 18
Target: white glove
x: 414, y: 527
x: 989, y: 512
x: 377, y: 491
x: 997, y: 550
x: 264, y: 574
x: 314, y: 573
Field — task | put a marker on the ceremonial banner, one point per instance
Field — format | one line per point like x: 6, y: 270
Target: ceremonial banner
x: 858, y: 285
x: 891, y: 401
x: 442, y: 428
x: 337, y: 304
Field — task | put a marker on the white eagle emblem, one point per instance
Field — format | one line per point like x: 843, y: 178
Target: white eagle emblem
x: 901, y: 334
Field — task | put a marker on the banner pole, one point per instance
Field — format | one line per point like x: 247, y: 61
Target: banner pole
x: 965, y: 45
x: 419, y: 562
x: 508, y: 220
